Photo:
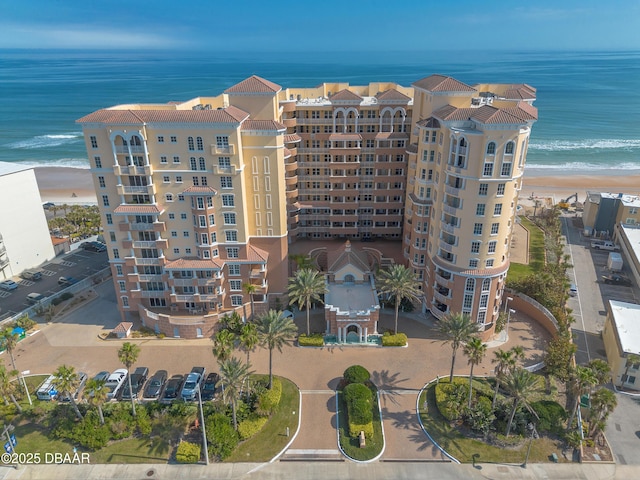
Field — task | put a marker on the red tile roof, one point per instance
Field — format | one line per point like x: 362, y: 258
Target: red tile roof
x: 123, y: 327
x: 391, y: 135
x: 254, y: 84
x: 345, y: 94
x: 429, y: 123
x: 345, y: 137
x: 392, y: 96
x: 256, y: 254
x: 292, y: 138
x: 269, y: 125
x: 132, y: 209
x: 486, y: 114
x: 520, y: 92
x: 442, y: 83
x: 204, y: 190
x: 121, y: 117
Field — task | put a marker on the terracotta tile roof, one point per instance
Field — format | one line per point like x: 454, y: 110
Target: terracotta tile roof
x: 254, y: 84
x: 392, y: 96
x: 194, y: 264
x: 526, y: 111
x: 123, y: 327
x: 391, y: 135
x: 413, y: 148
x: 346, y: 95
x: 58, y: 241
x: 442, y: 83
x: 132, y: 209
x: 429, y: 123
x: 256, y: 254
x: 486, y: 114
x: 287, y: 153
x: 345, y: 137
x: 292, y: 138
x: 520, y: 91
x: 204, y: 190
x: 119, y: 117
x: 269, y: 125
x: 347, y: 255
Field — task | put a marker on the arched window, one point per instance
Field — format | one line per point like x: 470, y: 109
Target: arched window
x: 470, y: 285
x: 491, y: 148
x: 349, y: 279
x: 486, y: 284
x: 135, y: 140
x: 508, y: 149
x: 190, y: 143
x: 193, y: 164
x: 199, y: 143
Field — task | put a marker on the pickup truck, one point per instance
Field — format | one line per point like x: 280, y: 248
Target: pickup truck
x: 604, y: 245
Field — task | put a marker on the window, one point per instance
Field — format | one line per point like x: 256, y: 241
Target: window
x: 484, y: 300
x: 122, y: 285
x: 101, y: 182
x: 489, y: 263
x: 190, y: 144
x: 178, y: 178
x: 185, y: 233
x: 98, y: 162
x: 195, y: 181
x: 234, y: 269
x: 475, y: 246
x: 174, y: 234
x: 482, y: 316
x: 174, y: 139
x: 203, y: 181
x: 477, y: 229
x: 172, y: 216
x: 214, y: 238
x: 484, y: 188
x: 480, y: 209
x: 187, y: 251
x: 494, y: 228
x: 470, y: 285
x: 160, y: 139
x: 163, y: 159
x: 116, y: 253
x: 222, y: 141
x: 236, y: 300
x: 473, y: 263
x: 109, y: 219
x: 224, y: 162
x: 488, y: 169
x: 491, y: 148
x: 112, y: 236
x: 228, y: 200
x: 235, y: 285
x: 229, y: 218
x: 199, y: 144
x: 94, y: 141
x: 500, y: 190
x: 497, y: 209
x: 119, y: 270
x: 212, y: 219
x: 231, y: 235
x: 468, y: 302
x: 233, y: 252
x: 165, y: 178
x: 105, y: 200
x: 486, y: 284
x: 169, y: 197
x: 508, y: 149
x: 506, y: 169
x: 492, y: 246
x: 176, y: 251
x: 225, y: 182
x: 192, y: 163
x: 183, y: 216
x: 181, y: 198
x: 202, y: 165
x: 176, y: 159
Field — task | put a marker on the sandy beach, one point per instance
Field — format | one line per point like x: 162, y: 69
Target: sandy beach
x: 59, y: 184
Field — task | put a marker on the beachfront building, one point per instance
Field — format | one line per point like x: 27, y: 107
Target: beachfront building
x: 201, y: 198
x: 621, y: 336
x: 24, y: 235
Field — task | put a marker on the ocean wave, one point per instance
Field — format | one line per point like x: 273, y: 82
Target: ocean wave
x: 572, y: 167
x: 46, y: 141
x: 60, y: 162
x: 587, y: 144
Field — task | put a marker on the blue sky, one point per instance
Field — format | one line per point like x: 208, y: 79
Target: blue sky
x: 325, y: 25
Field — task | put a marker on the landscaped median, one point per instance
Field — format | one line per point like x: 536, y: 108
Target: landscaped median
x: 360, y: 432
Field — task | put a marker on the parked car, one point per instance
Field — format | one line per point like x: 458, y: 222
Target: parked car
x: 155, y: 384
x: 31, y: 275
x: 138, y: 378
x: 616, y: 280
x: 35, y: 297
x: 172, y: 389
x: 102, y: 376
x: 8, y: 285
x: 82, y: 378
x: 115, y: 381
x: 209, y: 387
x: 66, y: 281
x: 48, y: 205
x: 573, y: 290
x: 192, y: 384
x: 93, y: 246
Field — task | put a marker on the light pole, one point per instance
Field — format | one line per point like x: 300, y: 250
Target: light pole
x: 534, y: 434
x: 204, y: 432
x: 511, y: 310
x: 24, y: 382
x: 506, y: 303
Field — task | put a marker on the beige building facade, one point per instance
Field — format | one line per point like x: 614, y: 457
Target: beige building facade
x: 621, y: 336
x: 200, y: 199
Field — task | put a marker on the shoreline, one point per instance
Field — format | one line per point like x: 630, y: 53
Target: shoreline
x: 74, y: 185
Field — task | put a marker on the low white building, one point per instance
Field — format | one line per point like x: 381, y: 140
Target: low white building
x: 24, y: 235
x: 621, y: 336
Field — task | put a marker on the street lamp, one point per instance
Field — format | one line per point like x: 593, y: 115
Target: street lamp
x: 24, y: 382
x: 534, y: 434
x: 506, y: 303
x: 204, y: 432
x: 511, y: 310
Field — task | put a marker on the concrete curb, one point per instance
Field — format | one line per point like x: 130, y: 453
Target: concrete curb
x: 453, y: 459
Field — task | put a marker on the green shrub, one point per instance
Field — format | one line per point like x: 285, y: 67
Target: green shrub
x: 315, y: 340
x: 66, y: 296
x: 269, y: 399
x: 221, y: 436
x: 551, y: 416
x: 480, y: 416
x: 397, y: 340
x: 249, y: 427
x: 25, y: 322
x: 188, y: 453
x: 90, y: 433
x: 451, y: 397
x: 355, y: 429
x: 356, y: 374
x: 359, y: 401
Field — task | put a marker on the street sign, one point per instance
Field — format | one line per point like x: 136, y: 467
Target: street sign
x: 14, y: 442
x: 7, y: 447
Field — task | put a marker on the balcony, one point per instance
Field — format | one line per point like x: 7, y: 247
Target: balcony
x: 290, y: 122
x: 440, y: 297
x: 131, y: 170
x: 183, y: 282
x: 452, y: 190
x: 291, y: 181
x: 449, y: 228
x: 210, y: 282
x: 135, y: 190
x: 293, y: 193
x: 135, y: 261
x: 449, y: 209
x: 258, y: 273
x: 446, y: 247
x: 126, y: 149
x: 444, y: 281
x: 148, y: 293
x: 223, y: 150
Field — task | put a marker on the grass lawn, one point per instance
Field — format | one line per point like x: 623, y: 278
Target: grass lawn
x: 518, y: 271
x: 133, y: 450
x: 351, y: 446
x: 463, y: 448
x: 31, y: 439
x: 265, y: 445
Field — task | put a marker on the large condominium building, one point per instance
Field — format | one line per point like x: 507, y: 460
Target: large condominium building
x: 200, y: 199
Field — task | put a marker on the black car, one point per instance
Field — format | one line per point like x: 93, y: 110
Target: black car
x: 89, y: 246
x: 155, y: 385
x: 616, y: 280
x: 209, y: 386
x: 172, y: 389
x: 138, y: 377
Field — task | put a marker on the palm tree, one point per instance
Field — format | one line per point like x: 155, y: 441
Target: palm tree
x: 128, y: 355
x: 223, y: 342
x: 520, y: 384
x: 582, y: 382
x: 275, y: 330
x: 505, y: 362
x: 305, y: 287
x: 97, y: 394
x: 399, y: 282
x: 67, y: 381
x: 601, y: 370
x: 9, y: 340
x: 233, y: 373
x: 301, y: 260
x: 250, y: 289
x: 475, y: 350
x: 458, y: 328
x: 603, y: 402
x: 249, y: 338
x: 7, y: 387
x: 632, y: 359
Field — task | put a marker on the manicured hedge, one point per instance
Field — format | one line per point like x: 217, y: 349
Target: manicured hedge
x: 397, y: 340
x: 271, y: 398
x: 359, y: 401
x: 450, y: 397
x: 315, y: 340
x: 249, y: 427
x: 356, y: 374
x: 551, y: 416
x: 188, y: 453
x: 355, y: 429
x: 221, y: 436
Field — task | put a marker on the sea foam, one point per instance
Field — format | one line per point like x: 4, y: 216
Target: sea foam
x: 586, y: 144
x: 46, y: 141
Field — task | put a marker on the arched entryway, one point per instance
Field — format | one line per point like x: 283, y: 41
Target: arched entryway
x: 353, y: 333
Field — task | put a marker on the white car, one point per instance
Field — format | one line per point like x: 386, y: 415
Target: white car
x: 8, y: 285
x: 115, y: 381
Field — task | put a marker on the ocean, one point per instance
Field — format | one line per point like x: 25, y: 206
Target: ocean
x: 588, y: 102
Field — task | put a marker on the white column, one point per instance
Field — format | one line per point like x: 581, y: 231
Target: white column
x: 338, y: 334
x: 360, y: 334
x: 366, y: 334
